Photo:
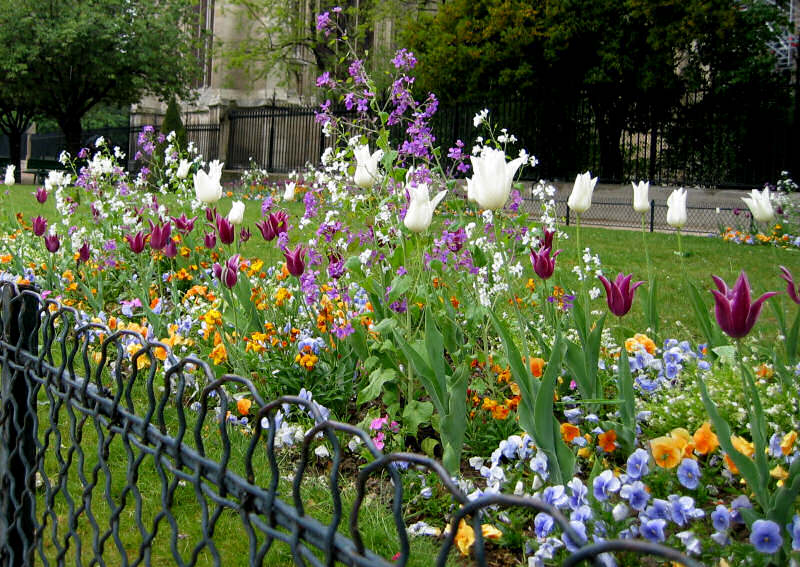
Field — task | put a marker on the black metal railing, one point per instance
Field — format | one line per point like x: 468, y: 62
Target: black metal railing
x: 104, y: 462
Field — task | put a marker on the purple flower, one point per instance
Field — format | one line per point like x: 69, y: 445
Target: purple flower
x: 170, y: 250
x: 335, y: 265
x: 136, y: 242
x: 735, y: 313
x: 689, y: 473
x: 578, y: 492
x: 52, y: 243
x: 295, y: 260
x: 229, y: 273
x: 404, y: 59
x: 638, y: 464
x: 682, y: 509
x: 41, y: 195
x: 653, y: 530
x: 159, y: 235
x: 39, y: 225
x: 543, y: 264
x: 619, y: 293
x: 794, y: 292
x: 543, y: 525
x: 765, y: 535
x: 210, y: 240
x: 324, y: 80
x: 794, y: 529
x: 636, y: 494
x: 604, y: 485
x: 580, y: 530
x: 84, y: 252
x: 184, y: 224
x: 225, y: 229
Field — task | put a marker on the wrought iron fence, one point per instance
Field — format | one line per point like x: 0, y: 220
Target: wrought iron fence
x: 50, y: 145
x: 205, y: 137
x: 102, y: 461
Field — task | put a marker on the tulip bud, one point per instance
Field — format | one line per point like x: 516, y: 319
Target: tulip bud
x: 41, y: 195
x: 225, y: 230
x: 676, y: 212
x: 244, y: 234
x: 735, y: 311
x: 229, y: 273
x: 641, y: 204
x: 211, y: 214
x: 236, y: 214
x: 184, y: 224
x: 295, y: 260
x: 207, y: 186
x: 52, y: 243
x: 581, y: 197
x: 760, y: 205
x: 84, y: 252
x: 420, y: 208
x: 170, y: 249
x: 210, y: 240
x: 136, y: 242
x: 39, y: 225
x: 288, y: 194
x: 159, y: 235
x: 266, y: 230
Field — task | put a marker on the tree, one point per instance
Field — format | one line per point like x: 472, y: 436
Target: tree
x: 77, y: 54
x: 633, y: 59
x: 173, y: 123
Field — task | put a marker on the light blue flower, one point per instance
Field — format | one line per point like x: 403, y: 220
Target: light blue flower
x: 775, y: 446
x: 682, y: 509
x: 689, y: 473
x: 578, y: 492
x: 538, y: 465
x: 691, y: 542
x: 659, y: 509
x: 765, y: 535
x: 653, y: 530
x: 604, y: 485
x: 794, y: 530
x: 582, y: 514
x: 721, y: 518
x: 637, y: 466
x: 580, y: 531
x: 543, y: 525
x: 555, y: 496
x: 636, y: 494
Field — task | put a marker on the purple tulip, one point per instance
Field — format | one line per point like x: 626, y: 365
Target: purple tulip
x: 52, y: 243
x: 136, y: 242
x: 211, y: 214
x: 543, y: 263
x: 619, y: 293
x: 279, y: 221
x: 84, y: 252
x: 229, y: 273
x: 159, y: 235
x: 266, y: 230
x: 39, y: 225
x: 735, y: 313
x: 225, y: 229
x: 184, y: 224
x: 41, y: 195
x: 791, y: 289
x: 245, y: 234
x: 547, y: 242
x: 295, y: 260
x: 170, y: 250
x: 210, y: 239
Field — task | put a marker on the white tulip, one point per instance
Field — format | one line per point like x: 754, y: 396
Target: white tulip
x: 207, y: 186
x: 581, y: 197
x: 366, y: 173
x: 471, y: 191
x: 288, y: 194
x: 10, y: 174
x: 420, y: 208
x: 492, y: 178
x: 641, y: 203
x: 236, y: 215
x: 676, y: 213
x: 183, y: 169
x: 760, y: 205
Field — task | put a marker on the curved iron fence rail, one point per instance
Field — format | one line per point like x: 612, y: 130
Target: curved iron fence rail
x: 88, y: 413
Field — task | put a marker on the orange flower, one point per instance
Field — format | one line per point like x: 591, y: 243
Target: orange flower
x: 219, y: 354
x: 607, y: 441
x: 787, y: 443
x: 537, y: 365
x: 500, y: 412
x: 243, y: 405
x: 569, y: 432
x: 489, y: 404
x: 742, y: 445
x: 490, y: 532
x: 667, y: 451
x: 705, y: 440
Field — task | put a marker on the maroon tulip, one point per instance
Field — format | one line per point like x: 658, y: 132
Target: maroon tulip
x: 295, y: 260
x: 184, y: 224
x: 136, y: 242
x: 266, y: 230
x: 39, y: 225
x: 52, y: 243
x: 619, y: 293
x: 245, y: 234
x: 229, y: 273
x: 84, y: 252
x: 543, y: 263
x: 211, y: 214
x: 41, y: 195
x: 279, y: 221
x: 547, y: 242
x: 735, y: 312
x: 170, y: 250
x: 159, y: 235
x: 210, y: 239
x: 791, y: 289
x: 227, y: 234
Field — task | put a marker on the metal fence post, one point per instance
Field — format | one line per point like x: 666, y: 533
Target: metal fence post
x: 17, y: 431
x: 652, y: 213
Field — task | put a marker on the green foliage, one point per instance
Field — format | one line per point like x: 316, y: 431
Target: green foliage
x: 173, y: 123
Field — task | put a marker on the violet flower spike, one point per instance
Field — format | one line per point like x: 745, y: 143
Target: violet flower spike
x: 543, y: 264
x: 792, y: 290
x: 735, y: 312
x: 295, y: 260
x: 619, y: 293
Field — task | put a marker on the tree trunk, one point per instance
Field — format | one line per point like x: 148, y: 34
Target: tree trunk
x: 609, y: 130
x: 15, y: 151
x: 73, y: 132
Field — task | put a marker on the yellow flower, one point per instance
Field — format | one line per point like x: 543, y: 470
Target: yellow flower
x: 490, y: 532
x: 742, y: 445
x: 667, y: 451
x: 465, y: 537
x: 705, y: 440
x: 219, y: 354
x: 787, y: 443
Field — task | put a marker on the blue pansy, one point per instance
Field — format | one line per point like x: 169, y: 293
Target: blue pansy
x: 543, y: 525
x: 689, y: 473
x: 636, y: 494
x: 721, y: 518
x: 653, y: 530
x: 604, y: 485
x: 765, y: 535
x: 638, y: 464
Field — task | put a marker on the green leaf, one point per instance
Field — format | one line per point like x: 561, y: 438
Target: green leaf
x: 400, y: 285
x: 434, y: 344
x: 385, y: 326
x: 726, y: 354
x: 377, y: 379
x: 429, y: 446
x: 454, y: 423
x: 424, y: 372
x: 710, y: 330
x: 415, y: 414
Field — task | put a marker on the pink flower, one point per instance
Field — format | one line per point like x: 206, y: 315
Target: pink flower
x: 378, y: 423
x: 736, y: 313
x: 619, y: 293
